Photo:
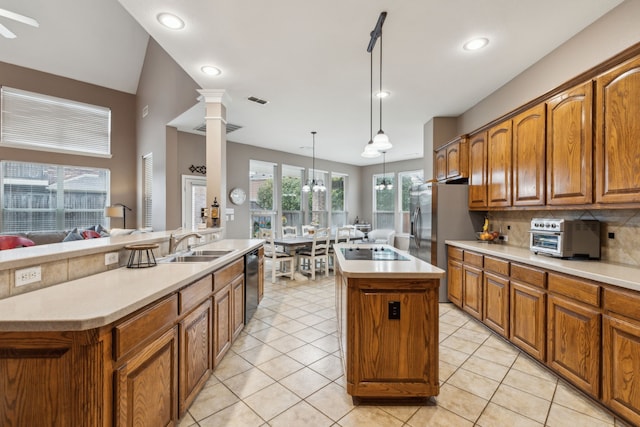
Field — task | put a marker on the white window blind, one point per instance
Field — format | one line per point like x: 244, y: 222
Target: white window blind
x: 147, y: 166
x: 41, y: 122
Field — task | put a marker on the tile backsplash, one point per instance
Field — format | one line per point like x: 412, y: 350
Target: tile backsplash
x: 623, y: 223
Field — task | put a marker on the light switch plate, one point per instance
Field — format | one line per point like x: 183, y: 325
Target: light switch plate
x: 110, y: 258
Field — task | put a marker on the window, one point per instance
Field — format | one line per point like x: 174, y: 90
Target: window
x: 262, y: 195
x: 338, y: 201
x: 147, y: 166
x: 383, y: 203
x: 407, y: 180
x: 291, y: 200
x: 44, y: 197
x: 46, y: 123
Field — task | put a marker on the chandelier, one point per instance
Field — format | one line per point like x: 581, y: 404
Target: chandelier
x: 314, y: 185
x: 385, y: 184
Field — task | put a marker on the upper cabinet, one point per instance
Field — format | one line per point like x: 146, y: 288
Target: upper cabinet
x: 569, y: 146
x: 478, y: 171
x: 451, y: 160
x: 617, y: 151
x: 529, y: 157
x: 499, y: 165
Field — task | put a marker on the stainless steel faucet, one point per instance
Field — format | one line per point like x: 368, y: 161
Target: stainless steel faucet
x: 174, y: 241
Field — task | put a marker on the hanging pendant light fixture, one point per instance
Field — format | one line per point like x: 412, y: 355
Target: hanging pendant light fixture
x: 369, y: 150
x: 381, y: 140
x: 314, y: 185
x: 386, y: 184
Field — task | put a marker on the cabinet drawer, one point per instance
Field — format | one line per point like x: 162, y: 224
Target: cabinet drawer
x: 133, y: 332
x: 454, y: 253
x: 496, y: 265
x: 530, y: 275
x: 578, y: 289
x: 196, y: 292
x: 227, y: 274
x: 623, y: 302
x: 473, y: 258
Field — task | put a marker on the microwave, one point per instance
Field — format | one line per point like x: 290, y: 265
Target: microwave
x: 565, y: 238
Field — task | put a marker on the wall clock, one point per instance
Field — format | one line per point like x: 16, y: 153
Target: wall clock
x: 237, y: 196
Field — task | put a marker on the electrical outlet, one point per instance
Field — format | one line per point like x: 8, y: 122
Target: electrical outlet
x: 28, y: 275
x: 505, y: 237
x: 110, y: 258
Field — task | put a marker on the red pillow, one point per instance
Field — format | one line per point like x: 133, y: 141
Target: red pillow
x: 10, y: 242
x: 90, y: 234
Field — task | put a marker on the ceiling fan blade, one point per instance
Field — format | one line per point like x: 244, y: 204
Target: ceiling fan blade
x: 6, y: 33
x: 19, y: 18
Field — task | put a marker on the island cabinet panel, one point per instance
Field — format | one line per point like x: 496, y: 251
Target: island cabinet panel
x: 146, y: 385
x: 391, y: 329
x: 499, y: 165
x: 527, y: 319
x: 529, y: 171
x: 569, y: 146
x: 478, y: 171
x: 617, y: 161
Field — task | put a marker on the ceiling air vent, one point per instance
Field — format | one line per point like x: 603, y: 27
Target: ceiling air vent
x: 258, y: 100
x: 230, y: 128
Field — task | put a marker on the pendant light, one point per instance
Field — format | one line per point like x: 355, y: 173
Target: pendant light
x: 314, y: 185
x: 381, y: 140
x: 369, y: 150
x: 385, y: 184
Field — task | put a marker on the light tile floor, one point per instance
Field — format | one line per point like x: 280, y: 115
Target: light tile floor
x: 285, y: 370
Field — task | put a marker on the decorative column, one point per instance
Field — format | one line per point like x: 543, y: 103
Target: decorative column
x: 216, y: 140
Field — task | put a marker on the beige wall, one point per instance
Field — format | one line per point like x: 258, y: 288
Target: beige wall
x: 122, y: 164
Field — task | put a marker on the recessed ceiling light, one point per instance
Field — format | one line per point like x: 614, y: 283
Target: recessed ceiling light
x: 383, y: 94
x: 211, y: 70
x: 170, y: 21
x: 476, y: 44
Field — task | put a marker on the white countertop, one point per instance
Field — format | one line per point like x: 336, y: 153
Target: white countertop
x: 625, y: 276
x: 101, y: 299
x: 411, y: 269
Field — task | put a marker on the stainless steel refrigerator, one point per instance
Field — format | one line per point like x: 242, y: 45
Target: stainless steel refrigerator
x: 440, y: 212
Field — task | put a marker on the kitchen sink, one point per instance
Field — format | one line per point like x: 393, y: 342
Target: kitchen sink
x: 189, y: 258
x: 211, y: 253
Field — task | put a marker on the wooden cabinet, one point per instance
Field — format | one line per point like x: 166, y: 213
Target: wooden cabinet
x: 228, y: 307
x: 472, y: 284
x: 454, y: 275
x: 237, y: 315
x: 529, y: 157
x: 451, y: 160
x: 617, y: 152
x: 222, y: 308
x: 569, y: 146
x: 499, y: 165
x: 146, y: 385
x: 496, y: 295
x: 478, y: 171
x: 527, y: 310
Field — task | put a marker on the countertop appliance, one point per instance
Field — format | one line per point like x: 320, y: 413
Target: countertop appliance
x: 440, y: 212
x: 372, y: 254
x: 250, y: 285
x: 564, y: 238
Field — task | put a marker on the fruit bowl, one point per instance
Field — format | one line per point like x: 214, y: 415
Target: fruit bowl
x: 487, y: 236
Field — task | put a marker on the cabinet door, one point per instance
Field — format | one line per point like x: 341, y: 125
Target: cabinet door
x: 454, y: 282
x: 527, y: 319
x: 195, y: 353
x: 621, y: 363
x: 499, y: 165
x: 478, y: 171
x: 472, y: 291
x: 146, y: 385
x: 496, y: 303
x: 237, y: 315
x: 569, y: 145
x: 617, y: 134
x: 574, y: 343
x: 458, y: 159
x: 440, y: 164
x: 529, y: 157
x: 221, y: 323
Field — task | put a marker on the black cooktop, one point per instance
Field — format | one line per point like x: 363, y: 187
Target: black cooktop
x: 371, y: 254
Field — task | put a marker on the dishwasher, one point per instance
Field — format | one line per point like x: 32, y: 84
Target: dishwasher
x: 250, y: 285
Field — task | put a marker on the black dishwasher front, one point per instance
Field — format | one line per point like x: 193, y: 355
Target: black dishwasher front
x: 250, y: 285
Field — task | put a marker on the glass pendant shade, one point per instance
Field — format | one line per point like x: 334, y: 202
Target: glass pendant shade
x: 370, y: 151
x: 381, y: 141
x: 314, y: 185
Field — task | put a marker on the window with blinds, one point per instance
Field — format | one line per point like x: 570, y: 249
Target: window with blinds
x: 46, y: 197
x: 40, y: 122
x: 147, y: 166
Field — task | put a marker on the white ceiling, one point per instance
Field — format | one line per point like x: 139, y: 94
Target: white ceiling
x: 308, y: 59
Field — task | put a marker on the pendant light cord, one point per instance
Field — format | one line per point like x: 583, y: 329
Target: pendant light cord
x: 313, y: 180
x: 371, y: 97
x: 380, y: 92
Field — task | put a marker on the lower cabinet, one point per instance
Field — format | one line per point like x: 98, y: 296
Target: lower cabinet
x: 228, y: 308
x: 222, y: 324
x: 472, y: 290
x: 496, y: 303
x: 454, y: 281
x: 527, y: 319
x: 237, y: 314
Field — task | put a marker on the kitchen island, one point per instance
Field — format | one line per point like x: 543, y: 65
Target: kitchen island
x: 387, y: 311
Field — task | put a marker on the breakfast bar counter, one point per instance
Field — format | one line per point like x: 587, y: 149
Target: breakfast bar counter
x: 387, y: 310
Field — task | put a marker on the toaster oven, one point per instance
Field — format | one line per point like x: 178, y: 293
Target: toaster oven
x: 563, y: 238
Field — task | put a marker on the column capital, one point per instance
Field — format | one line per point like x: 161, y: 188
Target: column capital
x: 215, y: 96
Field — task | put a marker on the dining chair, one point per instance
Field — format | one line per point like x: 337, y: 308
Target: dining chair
x: 343, y: 235
x: 265, y: 233
x: 289, y: 231
x: 308, y: 230
x: 317, y: 253
x: 279, y: 260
